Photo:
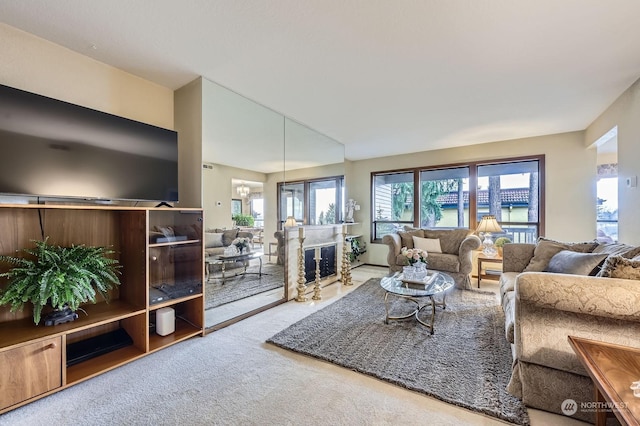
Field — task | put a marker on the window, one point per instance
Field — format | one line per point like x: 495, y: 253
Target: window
x: 257, y: 211
x: 509, y: 191
x: 392, y: 201
x: 444, y: 200
x: 312, y: 202
x: 458, y: 196
x: 607, y: 194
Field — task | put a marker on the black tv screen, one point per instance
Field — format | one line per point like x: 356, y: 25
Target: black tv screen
x: 51, y: 148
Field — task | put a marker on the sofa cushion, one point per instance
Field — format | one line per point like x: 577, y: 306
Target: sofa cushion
x: 620, y: 267
x: 406, y: 237
x: 430, y: 245
x: 444, y: 262
x: 546, y: 249
x: 450, y: 239
x: 213, y: 239
x: 620, y: 249
x: 571, y: 262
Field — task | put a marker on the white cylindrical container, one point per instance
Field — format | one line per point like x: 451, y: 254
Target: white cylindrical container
x: 165, y: 321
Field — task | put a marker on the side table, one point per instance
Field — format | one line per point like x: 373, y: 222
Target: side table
x: 612, y: 369
x: 488, y: 274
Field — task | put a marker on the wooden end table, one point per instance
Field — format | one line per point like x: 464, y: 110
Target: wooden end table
x: 488, y: 274
x: 612, y: 369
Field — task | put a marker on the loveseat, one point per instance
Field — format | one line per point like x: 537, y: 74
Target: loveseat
x: 452, y: 254
x: 217, y: 240
x: 542, y: 308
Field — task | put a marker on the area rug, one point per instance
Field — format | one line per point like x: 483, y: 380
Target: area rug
x: 466, y: 362
x: 239, y: 287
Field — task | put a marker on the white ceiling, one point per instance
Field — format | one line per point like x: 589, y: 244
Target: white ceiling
x: 382, y: 77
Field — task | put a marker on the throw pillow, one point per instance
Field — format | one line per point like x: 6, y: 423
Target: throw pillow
x: 228, y: 236
x: 618, y: 249
x: 430, y: 245
x: 546, y: 249
x: 617, y: 266
x: 167, y: 231
x: 213, y: 239
x: 583, y: 247
x: 406, y: 238
x: 576, y: 263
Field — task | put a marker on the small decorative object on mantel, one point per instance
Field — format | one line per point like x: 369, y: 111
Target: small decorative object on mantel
x: 242, y: 244
x: 61, y: 277
x: 351, y: 206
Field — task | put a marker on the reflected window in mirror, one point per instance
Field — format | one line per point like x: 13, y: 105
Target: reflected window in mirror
x: 257, y: 211
x: 312, y: 202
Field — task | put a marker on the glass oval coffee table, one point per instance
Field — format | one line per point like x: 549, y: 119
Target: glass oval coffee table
x: 436, y: 284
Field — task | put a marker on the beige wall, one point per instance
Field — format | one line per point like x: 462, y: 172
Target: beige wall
x: 36, y: 65
x: 217, y: 189
x: 188, y: 118
x: 624, y: 113
x: 570, y: 175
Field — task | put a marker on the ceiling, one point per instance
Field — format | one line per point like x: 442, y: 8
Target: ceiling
x: 382, y: 77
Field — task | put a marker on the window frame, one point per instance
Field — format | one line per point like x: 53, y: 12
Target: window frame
x: 473, y: 191
x: 306, y: 198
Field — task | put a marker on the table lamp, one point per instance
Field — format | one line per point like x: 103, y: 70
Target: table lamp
x: 487, y: 225
x: 291, y: 221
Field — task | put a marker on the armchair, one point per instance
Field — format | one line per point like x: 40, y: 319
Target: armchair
x: 456, y: 257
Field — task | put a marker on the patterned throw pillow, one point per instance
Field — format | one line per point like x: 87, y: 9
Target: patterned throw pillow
x: 618, y: 249
x: 406, y: 237
x: 617, y: 266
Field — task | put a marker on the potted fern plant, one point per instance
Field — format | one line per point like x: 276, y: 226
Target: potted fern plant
x: 62, y: 277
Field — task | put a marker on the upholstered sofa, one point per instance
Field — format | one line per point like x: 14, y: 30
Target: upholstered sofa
x: 542, y: 308
x: 455, y: 258
x: 217, y: 240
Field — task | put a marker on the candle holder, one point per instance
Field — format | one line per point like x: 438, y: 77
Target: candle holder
x: 302, y: 288
x: 316, y: 287
x: 346, y: 261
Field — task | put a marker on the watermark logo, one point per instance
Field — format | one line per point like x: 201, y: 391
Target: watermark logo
x: 569, y: 407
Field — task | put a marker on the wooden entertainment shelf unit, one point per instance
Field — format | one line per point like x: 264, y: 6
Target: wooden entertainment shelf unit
x: 33, y: 358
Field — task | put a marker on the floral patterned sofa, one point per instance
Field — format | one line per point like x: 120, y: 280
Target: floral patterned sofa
x: 542, y: 308
x: 455, y: 257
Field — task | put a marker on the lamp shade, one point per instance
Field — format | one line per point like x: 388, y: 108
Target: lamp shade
x: 291, y: 221
x: 488, y: 224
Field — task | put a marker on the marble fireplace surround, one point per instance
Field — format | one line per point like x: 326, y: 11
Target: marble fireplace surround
x: 315, y: 235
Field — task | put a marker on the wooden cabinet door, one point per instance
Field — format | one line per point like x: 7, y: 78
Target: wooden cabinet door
x: 29, y: 371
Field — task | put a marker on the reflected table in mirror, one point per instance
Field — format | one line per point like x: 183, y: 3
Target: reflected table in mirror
x: 436, y: 283
x: 224, y: 260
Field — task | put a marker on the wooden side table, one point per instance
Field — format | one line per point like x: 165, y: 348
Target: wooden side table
x: 488, y: 274
x: 612, y: 369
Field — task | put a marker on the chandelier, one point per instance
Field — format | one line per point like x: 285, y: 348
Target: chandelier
x: 243, y: 190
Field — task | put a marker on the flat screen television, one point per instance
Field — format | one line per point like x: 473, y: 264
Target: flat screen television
x: 54, y: 149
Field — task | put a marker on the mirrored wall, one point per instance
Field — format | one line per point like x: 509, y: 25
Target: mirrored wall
x: 247, y: 149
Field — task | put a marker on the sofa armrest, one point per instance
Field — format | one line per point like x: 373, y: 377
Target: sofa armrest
x: 465, y: 253
x: 605, y: 297
x: 516, y: 256
x: 549, y: 307
x: 394, y: 243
